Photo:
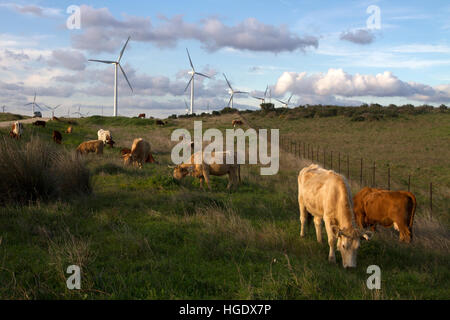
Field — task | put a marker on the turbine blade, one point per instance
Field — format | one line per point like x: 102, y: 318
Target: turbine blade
x: 203, y: 75
x: 126, y: 78
x: 229, y: 102
x: 265, y: 93
x: 103, y: 61
x: 241, y: 92
x: 188, y: 83
x: 228, y: 82
x: 123, y: 49
x: 290, y: 98
x: 190, y: 60
x: 280, y: 101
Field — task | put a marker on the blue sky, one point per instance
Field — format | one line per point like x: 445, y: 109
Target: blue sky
x: 320, y: 51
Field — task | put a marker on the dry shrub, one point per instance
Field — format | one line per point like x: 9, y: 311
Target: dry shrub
x: 37, y: 170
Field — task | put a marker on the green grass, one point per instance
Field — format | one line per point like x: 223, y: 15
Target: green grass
x: 143, y: 235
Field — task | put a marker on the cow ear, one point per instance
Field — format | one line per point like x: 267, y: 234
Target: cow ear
x: 367, y: 235
x: 336, y: 231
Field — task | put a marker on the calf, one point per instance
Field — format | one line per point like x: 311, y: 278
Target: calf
x: 57, y: 136
x: 387, y: 208
x: 94, y: 146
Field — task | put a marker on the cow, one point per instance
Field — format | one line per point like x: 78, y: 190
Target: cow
x: 139, y: 153
x: 16, y: 130
x: 202, y: 170
x: 326, y: 195
x: 39, y: 124
x: 149, y: 159
x: 160, y: 123
x: 142, y: 115
x: 69, y: 130
x: 57, y: 136
x: 55, y: 118
x: 94, y: 146
x: 387, y: 208
x: 106, y: 137
x: 236, y: 123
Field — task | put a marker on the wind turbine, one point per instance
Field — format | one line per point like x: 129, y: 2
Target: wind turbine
x: 3, y: 107
x: 34, y: 104
x: 191, y: 81
x: 232, y: 92
x: 53, y: 109
x: 187, y: 107
x: 263, y: 100
x: 286, y: 104
x: 116, y: 65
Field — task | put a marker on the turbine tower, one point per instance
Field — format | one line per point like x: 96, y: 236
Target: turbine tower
x: 116, y: 65
x: 232, y: 92
x: 191, y: 81
x: 286, y: 104
x: 3, y: 107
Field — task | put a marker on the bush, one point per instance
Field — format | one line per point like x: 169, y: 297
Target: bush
x: 36, y: 170
x: 267, y: 106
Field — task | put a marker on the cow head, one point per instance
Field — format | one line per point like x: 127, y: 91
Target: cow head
x: 348, y: 244
x: 180, y: 172
x: 127, y: 159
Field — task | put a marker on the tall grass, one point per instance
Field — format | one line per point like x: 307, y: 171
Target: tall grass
x: 37, y: 170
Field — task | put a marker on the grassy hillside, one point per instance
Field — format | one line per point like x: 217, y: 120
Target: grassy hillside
x: 143, y: 235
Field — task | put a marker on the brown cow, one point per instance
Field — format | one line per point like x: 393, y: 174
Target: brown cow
x: 160, y: 123
x: 95, y: 146
x: 237, y: 123
x: 57, y: 136
x: 69, y: 130
x: 149, y: 159
x: 387, y: 208
x: 16, y: 130
x: 142, y: 115
x: 124, y: 151
x: 139, y: 153
x: 39, y: 124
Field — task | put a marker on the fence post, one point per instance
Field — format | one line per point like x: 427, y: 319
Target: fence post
x: 304, y: 150
x: 361, y: 173
x: 389, y: 177
x: 373, y: 176
x: 317, y: 156
x: 431, y: 200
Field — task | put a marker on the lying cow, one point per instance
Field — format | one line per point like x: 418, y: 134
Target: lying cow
x: 203, y: 170
x: 39, y: 124
x: 237, y: 123
x: 16, y: 130
x: 57, y: 136
x: 106, y: 137
x: 139, y: 153
x: 94, y: 146
x: 326, y: 196
x: 387, y: 208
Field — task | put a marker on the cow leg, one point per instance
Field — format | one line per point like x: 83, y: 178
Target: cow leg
x: 318, y: 226
x: 201, y: 183
x: 206, y: 176
x: 405, y: 234
x: 331, y: 241
x: 303, y: 218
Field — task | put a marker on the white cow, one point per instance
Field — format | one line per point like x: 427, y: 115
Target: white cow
x: 16, y: 130
x: 326, y: 196
x: 105, y: 136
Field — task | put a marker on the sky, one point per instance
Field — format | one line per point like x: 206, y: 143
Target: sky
x: 321, y: 52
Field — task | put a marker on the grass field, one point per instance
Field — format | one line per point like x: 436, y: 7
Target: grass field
x: 143, y: 235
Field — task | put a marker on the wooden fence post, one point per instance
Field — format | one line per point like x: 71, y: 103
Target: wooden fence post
x: 317, y: 156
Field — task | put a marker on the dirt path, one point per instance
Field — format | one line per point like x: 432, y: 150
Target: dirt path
x: 7, y: 124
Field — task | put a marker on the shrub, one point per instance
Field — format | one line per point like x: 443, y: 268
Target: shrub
x: 36, y: 170
x: 267, y: 106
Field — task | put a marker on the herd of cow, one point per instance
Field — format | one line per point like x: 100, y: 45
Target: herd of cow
x: 322, y: 194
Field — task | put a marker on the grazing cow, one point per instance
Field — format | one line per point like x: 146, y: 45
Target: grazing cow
x: 142, y: 115
x: 39, y: 124
x: 139, y: 153
x: 57, y: 136
x: 237, y: 123
x: 16, y: 130
x: 69, y: 130
x: 94, y: 146
x: 203, y: 170
x: 326, y: 196
x: 106, y: 137
x: 124, y: 151
x: 149, y: 159
x: 387, y: 208
x: 160, y: 123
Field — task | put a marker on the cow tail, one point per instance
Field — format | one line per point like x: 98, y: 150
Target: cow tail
x: 413, y: 210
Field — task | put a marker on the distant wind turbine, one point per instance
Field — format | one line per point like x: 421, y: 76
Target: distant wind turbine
x: 191, y: 81
x: 53, y: 109
x: 116, y: 65
x: 34, y: 104
x: 187, y: 107
x: 232, y: 92
x: 263, y: 100
x: 286, y: 104
x: 3, y: 107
